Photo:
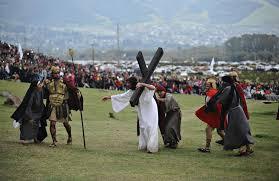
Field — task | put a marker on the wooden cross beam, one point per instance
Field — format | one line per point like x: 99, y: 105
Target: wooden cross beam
x: 142, y: 65
x: 146, y: 73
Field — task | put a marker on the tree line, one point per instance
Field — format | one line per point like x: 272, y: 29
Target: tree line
x: 252, y: 47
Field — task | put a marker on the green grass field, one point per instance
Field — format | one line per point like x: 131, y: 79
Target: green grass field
x: 112, y: 147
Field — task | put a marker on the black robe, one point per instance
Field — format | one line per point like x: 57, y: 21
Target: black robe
x: 32, y: 108
x: 234, y: 120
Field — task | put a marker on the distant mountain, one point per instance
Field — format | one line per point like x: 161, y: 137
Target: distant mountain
x: 105, y: 12
x: 274, y: 2
x: 266, y: 15
x: 143, y: 23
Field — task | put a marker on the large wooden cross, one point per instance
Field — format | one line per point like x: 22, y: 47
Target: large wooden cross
x: 146, y: 73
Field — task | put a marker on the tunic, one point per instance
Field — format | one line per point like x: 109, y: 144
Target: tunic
x: 57, y: 101
x: 147, y: 115
x: 211, y: 118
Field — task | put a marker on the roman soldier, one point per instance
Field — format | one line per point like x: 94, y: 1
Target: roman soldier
x: 212, y: 122
x: 57, y: 105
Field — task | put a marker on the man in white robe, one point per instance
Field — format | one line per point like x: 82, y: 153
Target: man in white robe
x: 147, y: 113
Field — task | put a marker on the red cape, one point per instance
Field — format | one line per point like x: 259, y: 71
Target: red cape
x: 242, y: 99
x: 211, y: 92
x: 211, y: 118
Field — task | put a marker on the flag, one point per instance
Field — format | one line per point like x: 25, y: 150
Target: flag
x: 20, y: 51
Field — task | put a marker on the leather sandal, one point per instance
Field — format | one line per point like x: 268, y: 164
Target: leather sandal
x: 52, y: 144
x: 204, y: 150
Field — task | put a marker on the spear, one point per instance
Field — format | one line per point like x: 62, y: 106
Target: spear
x: 71, y: 53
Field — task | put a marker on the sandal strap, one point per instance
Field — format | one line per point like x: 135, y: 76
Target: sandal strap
x: 205, y: 150
x: 52, y: 145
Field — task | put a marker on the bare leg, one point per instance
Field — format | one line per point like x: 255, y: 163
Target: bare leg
x: 221, y: 133
x: 52, y: 130
x: 208, y: 131
x: 68, y: 129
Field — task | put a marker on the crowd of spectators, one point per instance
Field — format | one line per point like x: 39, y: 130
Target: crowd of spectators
x: 36, y: 64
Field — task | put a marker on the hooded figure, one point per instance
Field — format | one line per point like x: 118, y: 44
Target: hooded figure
x: 31, y: 114
x: 169, y: 117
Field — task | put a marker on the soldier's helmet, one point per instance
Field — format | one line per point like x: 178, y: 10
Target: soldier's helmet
x: 212, y: 82
x: 234, y: 75
x: 55, y: 71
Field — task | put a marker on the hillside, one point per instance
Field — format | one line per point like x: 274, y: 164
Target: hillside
x: 266, y: 15
x: 94, y: 12
x: 54, y: 25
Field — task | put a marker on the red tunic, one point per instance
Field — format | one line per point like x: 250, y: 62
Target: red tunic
x: 211, y: 92
x: 211, y: 118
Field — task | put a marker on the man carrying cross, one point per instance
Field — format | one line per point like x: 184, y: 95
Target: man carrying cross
x: 146, y: 109
x: 141, y: 95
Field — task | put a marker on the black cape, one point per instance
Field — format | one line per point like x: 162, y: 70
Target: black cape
x: 32, y: 108
x: 75, y: 101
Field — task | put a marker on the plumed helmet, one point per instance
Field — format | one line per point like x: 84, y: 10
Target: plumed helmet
x: 212, y: 81
x: 55, y: 70
x: 234, y: 75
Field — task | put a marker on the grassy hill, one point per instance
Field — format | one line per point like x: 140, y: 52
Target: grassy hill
x: 267, y: 14
x: 112, y: 147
